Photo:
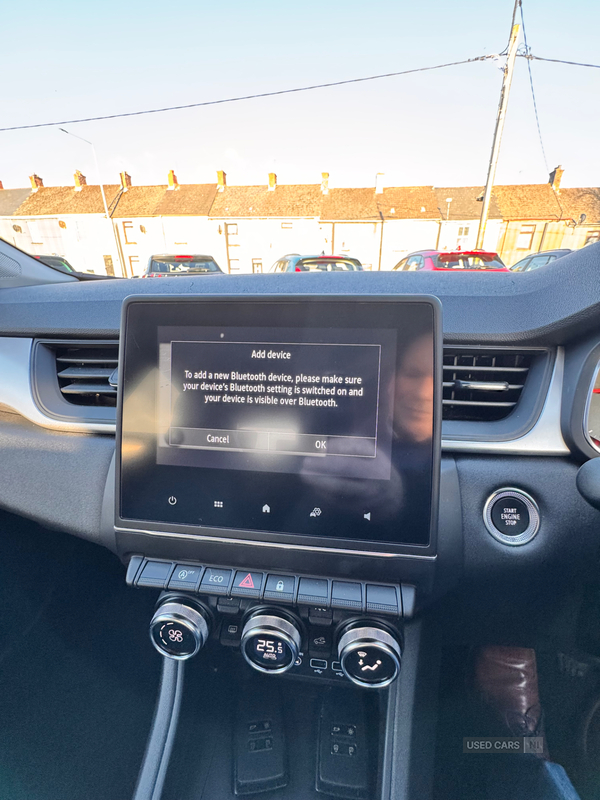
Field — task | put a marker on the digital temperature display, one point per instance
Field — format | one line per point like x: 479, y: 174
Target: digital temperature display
x: 268, y: 651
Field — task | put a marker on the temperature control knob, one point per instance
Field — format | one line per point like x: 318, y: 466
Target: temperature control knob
x: 270, y: 642
x: 179, y: 628
x: 369, y: 656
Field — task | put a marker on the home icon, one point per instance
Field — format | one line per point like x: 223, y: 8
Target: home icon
x: 266, y: 509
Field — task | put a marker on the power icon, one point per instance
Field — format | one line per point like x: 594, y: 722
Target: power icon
x: 172, y: 500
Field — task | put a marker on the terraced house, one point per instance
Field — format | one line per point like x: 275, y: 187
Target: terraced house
x: 247, y: 228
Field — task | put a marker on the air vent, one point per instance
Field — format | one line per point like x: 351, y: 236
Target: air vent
x: 483, y: 385
x: 84, y: 371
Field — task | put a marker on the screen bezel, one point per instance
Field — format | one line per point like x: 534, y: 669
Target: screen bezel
x: 268, y: 538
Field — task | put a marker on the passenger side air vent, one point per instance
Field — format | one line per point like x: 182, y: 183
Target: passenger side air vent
x: 84, y: 373
x: 481, y: 384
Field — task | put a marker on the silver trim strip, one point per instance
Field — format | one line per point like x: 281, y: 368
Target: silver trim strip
x: 545, y: 438
x: 16, y: 392
x: 281, y: 545
x: 586, y: 414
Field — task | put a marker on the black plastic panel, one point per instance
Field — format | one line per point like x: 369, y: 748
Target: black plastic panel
x: 543, y: 307
x: 567, y: 544
x: 54, y: 478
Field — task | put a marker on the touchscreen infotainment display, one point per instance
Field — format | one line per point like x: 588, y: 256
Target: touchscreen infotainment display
x: 295, y: 417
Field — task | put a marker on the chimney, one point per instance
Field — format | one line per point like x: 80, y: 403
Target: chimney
x: 379, y: 183
x: 221, y: 180
x: 272, y: 181
x: 325, y: 182
x: 36, y: 182
x: 125, y: 181
x: 172, y: 179
x: 556, y: 177
x: 80, y: 180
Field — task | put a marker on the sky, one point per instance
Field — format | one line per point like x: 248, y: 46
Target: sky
x: 68, y: 59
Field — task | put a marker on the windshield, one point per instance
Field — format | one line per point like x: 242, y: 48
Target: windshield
x: 285, y: 148
x: 183, y: 265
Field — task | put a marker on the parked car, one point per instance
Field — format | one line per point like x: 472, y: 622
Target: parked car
x: 62, y: 265
x: 537, y: 260
x: 322, y: 263
x: 167, y: 266
x: 464, y: 260
x: 57, y: 262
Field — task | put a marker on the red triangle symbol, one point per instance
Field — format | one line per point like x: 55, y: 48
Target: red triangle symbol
x: 247, y: 583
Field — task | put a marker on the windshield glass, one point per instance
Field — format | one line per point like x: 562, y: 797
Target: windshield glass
x: 111, y: 156
x: 183, y: 265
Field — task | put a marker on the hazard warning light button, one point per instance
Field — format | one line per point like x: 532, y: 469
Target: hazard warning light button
x: 247, y: 584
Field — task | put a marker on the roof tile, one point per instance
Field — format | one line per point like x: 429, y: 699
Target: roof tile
x: 194, y: 199
x: 464, y: 205
x: 65, y: 200
x: 401, y: 202
x: 529, y: 201
x: 294, y: 200
x: 11, y: 199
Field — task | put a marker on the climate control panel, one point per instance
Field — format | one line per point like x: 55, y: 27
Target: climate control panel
x: 304, y: 626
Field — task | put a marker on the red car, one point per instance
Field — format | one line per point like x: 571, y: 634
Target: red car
x: 464, y: 260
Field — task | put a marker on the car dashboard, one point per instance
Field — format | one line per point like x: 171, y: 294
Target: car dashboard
x: 275, y: 545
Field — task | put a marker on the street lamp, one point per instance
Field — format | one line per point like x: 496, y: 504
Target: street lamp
x: 74, y: 135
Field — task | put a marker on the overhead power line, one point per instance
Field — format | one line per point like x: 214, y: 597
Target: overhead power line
x: 535, y: 108
x: 245, y: 97
x: 558, y: 61
x: 537, y: 119
x: 285, y: 91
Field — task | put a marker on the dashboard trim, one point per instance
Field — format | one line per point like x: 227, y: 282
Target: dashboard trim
x: 544, y: 438
x: 16, y: 391
x: 280, y: 545
x: 586, y: 413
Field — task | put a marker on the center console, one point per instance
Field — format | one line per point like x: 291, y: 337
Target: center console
x: 278, y: 479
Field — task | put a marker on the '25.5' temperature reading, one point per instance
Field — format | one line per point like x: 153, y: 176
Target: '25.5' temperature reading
x: 270, y: 649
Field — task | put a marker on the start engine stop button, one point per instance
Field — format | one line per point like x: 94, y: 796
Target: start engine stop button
x: 512, y: 516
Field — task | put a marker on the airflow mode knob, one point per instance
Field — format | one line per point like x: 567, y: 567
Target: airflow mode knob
x: 369, y: 656
x: 179, y: 628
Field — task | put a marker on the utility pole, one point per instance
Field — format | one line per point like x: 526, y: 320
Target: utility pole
x: 502, y: 106
x: 108, y: 217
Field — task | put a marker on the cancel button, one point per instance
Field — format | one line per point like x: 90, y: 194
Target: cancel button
x: 510, y: 516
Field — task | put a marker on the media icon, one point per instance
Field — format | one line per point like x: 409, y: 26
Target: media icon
x: 172, y: 500
x: 266, y: 509
x: 367, y: 516
x: 316, y: 512
x: 218, y: 504
x: 279, y: 587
